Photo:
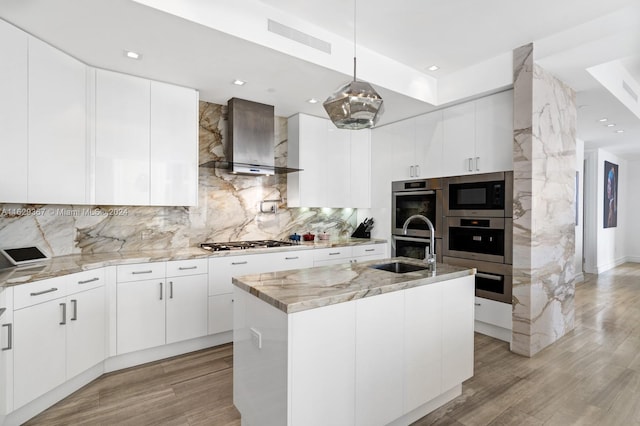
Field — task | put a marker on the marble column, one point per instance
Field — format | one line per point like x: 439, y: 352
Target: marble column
x: 543, y: 216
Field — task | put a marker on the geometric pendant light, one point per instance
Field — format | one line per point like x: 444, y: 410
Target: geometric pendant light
x: 356, y: 105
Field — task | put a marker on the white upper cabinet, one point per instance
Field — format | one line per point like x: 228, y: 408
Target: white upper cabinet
x: 146, y: 142
x: 13, y: 114
x: 336, y: 164
x: 57, y: 126
x: 122, y: 139
x: 429, y: 141
x: 478, y: 135
x: 401, y: 136
x: 174, y: 145
x: 494, y: 132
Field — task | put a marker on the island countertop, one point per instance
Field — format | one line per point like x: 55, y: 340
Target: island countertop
x: 302, y: 289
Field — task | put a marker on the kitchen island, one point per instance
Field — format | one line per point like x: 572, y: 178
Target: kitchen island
x: 350, y: 344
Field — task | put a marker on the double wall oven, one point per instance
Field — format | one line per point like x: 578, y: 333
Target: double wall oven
x: 424, y: 197
x: 478, y: 230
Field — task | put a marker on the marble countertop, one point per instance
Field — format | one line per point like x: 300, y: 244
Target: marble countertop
x: 301, y: 289
x: 64, y: 265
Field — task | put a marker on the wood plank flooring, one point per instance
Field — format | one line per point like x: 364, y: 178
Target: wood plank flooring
x: 590, y: 377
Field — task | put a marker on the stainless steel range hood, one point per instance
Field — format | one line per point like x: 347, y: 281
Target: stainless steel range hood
x: 250, y: 147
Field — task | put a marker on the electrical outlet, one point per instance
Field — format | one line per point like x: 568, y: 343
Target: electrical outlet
x: 256, y: 338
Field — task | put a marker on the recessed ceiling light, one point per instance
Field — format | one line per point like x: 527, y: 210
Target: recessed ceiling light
x: 602, y: 120
x: 312, y: 101
x: 610, y: 125
x: 620, y: 131
x: 132, y: 55
x: 433, y: 68
x: 239, y: 82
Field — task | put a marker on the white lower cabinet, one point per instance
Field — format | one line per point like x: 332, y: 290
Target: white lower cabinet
x: 378, y: 358
x: 220, y: 313
x: 58, y: 332
x: 186, y: 308
x: 337, y: 255
x: 166, y: 309
x: 6, y: 351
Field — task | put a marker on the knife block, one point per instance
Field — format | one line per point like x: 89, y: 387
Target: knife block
x: 361, y: 232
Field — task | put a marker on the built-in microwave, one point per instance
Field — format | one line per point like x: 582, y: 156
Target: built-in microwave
x: 487, y: 195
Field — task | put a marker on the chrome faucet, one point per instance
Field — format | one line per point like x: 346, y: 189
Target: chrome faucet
x: 429, y: 253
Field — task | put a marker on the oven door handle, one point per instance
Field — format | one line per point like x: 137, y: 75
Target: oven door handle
x: 418, y: 240
x: 402, y: 193
x: 489, y: 276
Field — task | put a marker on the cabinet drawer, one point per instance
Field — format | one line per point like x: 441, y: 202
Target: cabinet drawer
x: 492, y: 312
x: 369, y: 250
x: 179, y: 268
x: 85, y: 280
x: 40, y: 291
x: 332, y: 254
x: 140, y: 271
x: 284, y: 261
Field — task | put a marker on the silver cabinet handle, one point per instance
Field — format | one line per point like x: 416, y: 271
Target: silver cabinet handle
x: 478, y: 304
x: 333, y: 254
x: 489, y: 276
x: 64, y: 314
x: 470, y: 164
x: 90, y: 280
x: 477, y: 164
x: 170, y: 289
x: 417, y: 170
x: 370, y: 250
x: 141, y: 272
x: 74, y: 316
x: 239, y: 263
x: 410, y: 171
x: 38, y: 293
x: 9, y: 337
x: 292, y: 258
x: 160, y: 291
x: 186, y: 268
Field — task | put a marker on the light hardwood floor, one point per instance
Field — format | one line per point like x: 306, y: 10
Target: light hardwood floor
x: 591, y: 376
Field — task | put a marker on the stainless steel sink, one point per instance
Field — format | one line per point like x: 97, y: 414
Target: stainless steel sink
x: 399, y: 267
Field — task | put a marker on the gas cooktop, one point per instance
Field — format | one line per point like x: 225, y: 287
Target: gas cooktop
x: 243, y: 245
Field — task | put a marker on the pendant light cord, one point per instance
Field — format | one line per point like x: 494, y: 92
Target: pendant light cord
x: 354, y: 40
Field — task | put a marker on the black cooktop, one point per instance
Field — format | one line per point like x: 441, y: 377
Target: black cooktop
x: 243, y: 245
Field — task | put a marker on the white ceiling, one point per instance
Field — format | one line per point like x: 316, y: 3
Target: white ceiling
x: 569, y: 36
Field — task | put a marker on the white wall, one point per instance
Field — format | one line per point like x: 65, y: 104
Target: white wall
x: 580, y: 208
x: 631, y: 209
x: 604, y: 247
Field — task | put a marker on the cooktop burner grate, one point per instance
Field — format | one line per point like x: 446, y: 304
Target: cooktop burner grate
x: 244, y: 245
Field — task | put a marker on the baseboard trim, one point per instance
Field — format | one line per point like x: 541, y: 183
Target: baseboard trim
x: 428, y: 407
x: 494, y: 331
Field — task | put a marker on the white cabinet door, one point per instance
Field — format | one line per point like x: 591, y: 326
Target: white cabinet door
x: 39, y: 350
x: 220, y: 313
x: 337, y: 159
x: 423, y: 336
x: 429, y: 144
x: 57, y: 126
x: 141, y: 315
x: 360, y: 169
x: 13, y: 114
x: 459, y: 139
x: 187, y: 307
x: 86, y: 318
x: 307, y: 150
x: 379, y: 358
x: 458, y: 298
x: 494, y: 133
x: 122, y: 139
x: 402, y: 138
x: 381, y: 171
x: 174, y: 145
x: 6, y: 351
x: 322, y: 365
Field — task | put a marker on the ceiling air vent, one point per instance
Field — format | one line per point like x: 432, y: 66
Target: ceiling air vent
x: 299, y: 36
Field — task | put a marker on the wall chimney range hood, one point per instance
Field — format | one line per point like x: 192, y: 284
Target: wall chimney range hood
x: 250, y: 148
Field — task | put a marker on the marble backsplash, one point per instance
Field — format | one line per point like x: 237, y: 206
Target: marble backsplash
x: 228, y: 210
